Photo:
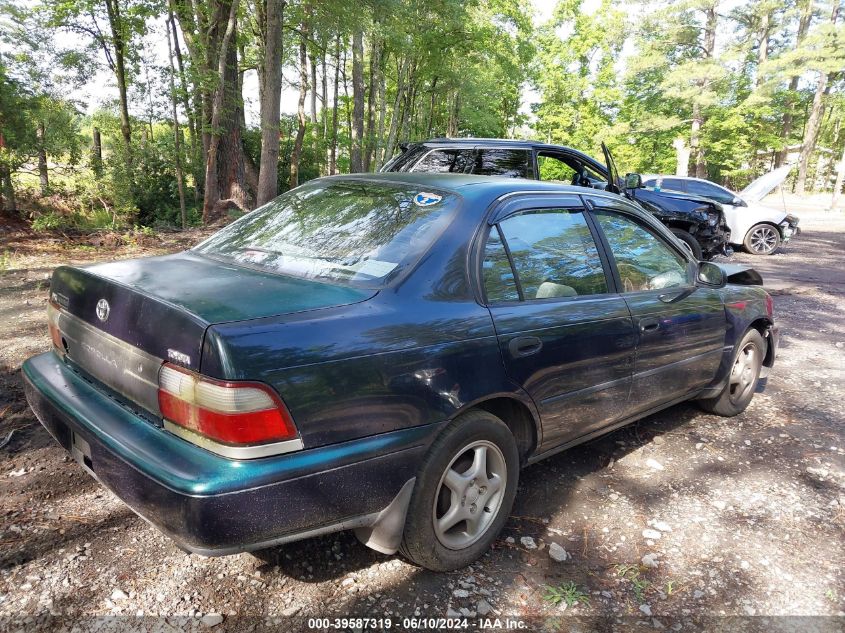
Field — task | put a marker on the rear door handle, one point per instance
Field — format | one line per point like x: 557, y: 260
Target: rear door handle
x: 524, y: 346
x: 649, y: 325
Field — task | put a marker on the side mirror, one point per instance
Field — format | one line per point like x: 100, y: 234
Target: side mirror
x: 633, y: 181
x: 711, y: 275
x: 738, y: 202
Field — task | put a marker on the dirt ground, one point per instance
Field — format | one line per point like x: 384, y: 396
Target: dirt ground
x: 683, y: 521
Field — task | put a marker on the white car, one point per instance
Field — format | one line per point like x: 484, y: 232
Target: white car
x: 759, y: 229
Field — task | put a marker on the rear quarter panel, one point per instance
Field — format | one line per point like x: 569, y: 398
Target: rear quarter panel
x: 417, y: 353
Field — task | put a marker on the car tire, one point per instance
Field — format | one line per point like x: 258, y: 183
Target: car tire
x: 453, y: 480
x: 743, y: 379
x: 762, y: 239
x: 689, y: 241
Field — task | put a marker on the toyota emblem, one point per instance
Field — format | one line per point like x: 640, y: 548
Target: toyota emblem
x: 103, y: 309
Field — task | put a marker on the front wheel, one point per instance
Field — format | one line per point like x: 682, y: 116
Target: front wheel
x: 463, y: 494
x: 762, y: 239
x: 742, y: 382
x: 689, y: 241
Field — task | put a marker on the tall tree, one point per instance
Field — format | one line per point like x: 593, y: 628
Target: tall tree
x: 270, y: 16
x: 825, y: 67
x: 356, y: 164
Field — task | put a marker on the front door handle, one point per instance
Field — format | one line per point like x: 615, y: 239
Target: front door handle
x: 649, y: 325
x: 524, y: 346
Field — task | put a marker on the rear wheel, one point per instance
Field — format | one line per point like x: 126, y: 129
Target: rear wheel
x: 743, y: 379
x: 689, y: 241
x: 762, y: 239
x: 463, y: 494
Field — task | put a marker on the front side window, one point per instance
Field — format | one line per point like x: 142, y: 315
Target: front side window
x: 553, y: 252
x: 356, y: 232
x: 570, y: 170
x: 644, y: 261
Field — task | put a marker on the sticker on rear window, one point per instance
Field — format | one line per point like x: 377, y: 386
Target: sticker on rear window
x: 376, y: 268
x: 426, y: 199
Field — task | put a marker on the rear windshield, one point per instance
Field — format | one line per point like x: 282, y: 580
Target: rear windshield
x: 357, y: 232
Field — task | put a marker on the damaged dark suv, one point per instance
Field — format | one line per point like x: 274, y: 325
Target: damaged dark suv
x: 696, y: 221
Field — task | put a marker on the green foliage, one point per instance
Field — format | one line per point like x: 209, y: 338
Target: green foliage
x: 568, y: 593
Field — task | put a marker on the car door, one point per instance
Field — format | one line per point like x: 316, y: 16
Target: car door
x: 680, y: 326
x: 565, y: 335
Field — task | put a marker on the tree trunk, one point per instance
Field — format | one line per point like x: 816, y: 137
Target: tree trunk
x: 312, y: 60
x: 300, y: 132
x: 43, y: 176
x: 811, y: 130
x: 382, y: 108
x: 371, y: 103
x: 709, y: 45
x: 7, y: 190
x: 224, y: 171
x: 270, y: 90
x: 837, y: 186
x: 325, y: 95
x: 96, y: 152
x: 811, y: 133
x: 356, y: 164
x: 789, y: 115
x: 390, y: 144
x: 333, y: 150
x: 117, y: 33
x: 763, y: 46
x: 177, y: 141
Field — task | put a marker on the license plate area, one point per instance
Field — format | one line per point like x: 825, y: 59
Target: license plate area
x: 80, y: 450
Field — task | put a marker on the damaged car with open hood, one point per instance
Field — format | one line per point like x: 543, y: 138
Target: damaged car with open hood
x: 757, y: 228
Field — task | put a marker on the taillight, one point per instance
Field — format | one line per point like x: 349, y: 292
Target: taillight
x: 229, y: 413
x: 53, y: 326
x: 770, y: 305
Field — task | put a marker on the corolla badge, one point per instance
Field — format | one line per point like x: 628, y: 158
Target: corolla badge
x: 103, y: 309
x: 426, y: 199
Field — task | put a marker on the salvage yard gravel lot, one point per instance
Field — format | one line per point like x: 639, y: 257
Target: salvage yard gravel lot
x: 676, y: 521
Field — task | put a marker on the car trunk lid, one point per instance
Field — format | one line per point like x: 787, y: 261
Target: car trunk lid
x: 119, y: 321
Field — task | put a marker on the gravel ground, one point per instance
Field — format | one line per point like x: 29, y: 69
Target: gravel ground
x: 684, y: 520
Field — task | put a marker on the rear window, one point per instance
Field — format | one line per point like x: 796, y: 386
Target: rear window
x: 356, y: 232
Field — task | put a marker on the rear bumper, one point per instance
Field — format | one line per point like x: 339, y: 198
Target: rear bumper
x: 209, y: 504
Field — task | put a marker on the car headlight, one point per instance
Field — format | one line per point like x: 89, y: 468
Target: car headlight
x: 712, y: 218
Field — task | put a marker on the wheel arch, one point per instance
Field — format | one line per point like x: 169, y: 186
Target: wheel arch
x: 767, y: 222
x: 518, y: 416
x: 762, y: 325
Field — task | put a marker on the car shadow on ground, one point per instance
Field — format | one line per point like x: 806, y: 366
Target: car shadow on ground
x: 540, y: 495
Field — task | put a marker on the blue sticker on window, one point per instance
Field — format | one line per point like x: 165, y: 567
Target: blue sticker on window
x: 425, y: 199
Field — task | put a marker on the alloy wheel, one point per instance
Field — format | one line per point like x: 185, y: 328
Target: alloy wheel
x: 764, y: 239
x: 744, y: 373
x: 469, y: 494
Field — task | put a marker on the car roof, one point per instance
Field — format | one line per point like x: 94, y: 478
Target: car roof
x: 491, y: 142
x: 674, y: 177
x: 466, y: 184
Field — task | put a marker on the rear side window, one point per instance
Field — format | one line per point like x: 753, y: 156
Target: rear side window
x: 499, y: 280
x: 447, y: 161
x: 514, y: 163
x: 710, y: 191
x: 554, y: 256
x: 674, y: 184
